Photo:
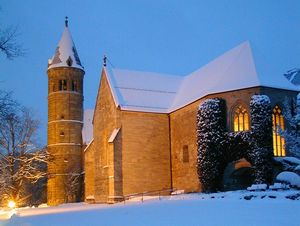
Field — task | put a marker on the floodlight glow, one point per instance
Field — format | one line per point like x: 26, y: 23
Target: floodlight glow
x: 11, y: 204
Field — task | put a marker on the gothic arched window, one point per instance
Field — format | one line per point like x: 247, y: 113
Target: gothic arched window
x: 278, y: 141
x: 240, y: 118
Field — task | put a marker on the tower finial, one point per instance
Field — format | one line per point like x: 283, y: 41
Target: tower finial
x: 66, y: 21
x: 104, y: 60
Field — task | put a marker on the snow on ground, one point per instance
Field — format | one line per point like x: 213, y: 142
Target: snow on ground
x: 239, y: 208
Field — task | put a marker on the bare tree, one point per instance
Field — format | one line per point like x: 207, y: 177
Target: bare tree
x: 9, y: 45
x: 6, y: 103
x: 20, y: 158
x: 72, y: 181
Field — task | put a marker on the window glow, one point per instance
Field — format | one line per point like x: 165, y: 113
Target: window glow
x: 240, y: 119
x: 278, y: 141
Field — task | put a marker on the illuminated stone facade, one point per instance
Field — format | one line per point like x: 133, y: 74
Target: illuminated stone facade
x: 152, y: 151
x: 65, y: 108
x: 136, y: 159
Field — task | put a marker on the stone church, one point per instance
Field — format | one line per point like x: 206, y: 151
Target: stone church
x: 144, y: 124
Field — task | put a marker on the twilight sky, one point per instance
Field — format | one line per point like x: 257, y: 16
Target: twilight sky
x: 174, y: 37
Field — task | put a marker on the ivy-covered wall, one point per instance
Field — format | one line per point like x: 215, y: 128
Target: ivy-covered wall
x: 217, y: 147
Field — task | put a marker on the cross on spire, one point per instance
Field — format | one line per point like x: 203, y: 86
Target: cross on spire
x: 104, y: 60
x: 66, y: 21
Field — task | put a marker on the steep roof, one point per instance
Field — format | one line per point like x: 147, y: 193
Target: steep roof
x: 143, y: 91
x: 65, y: 54
x: 153, y: 92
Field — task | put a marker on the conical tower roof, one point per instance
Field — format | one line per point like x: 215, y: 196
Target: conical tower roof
x: 65, y: 54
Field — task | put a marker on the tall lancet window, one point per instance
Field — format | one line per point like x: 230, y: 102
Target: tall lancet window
x: 278, y: 141
x: 240, y: 118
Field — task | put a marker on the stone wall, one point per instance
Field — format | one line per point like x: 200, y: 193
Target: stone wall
x: 183, y: 131
x: 89, y: 171
x: 106, y: 119
x: 277, y: 96
x: 115, y: 176
x: 138, y: 158
x: 145, y: 152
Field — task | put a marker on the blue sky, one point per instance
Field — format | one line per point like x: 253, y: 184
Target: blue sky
x: 175, y: 37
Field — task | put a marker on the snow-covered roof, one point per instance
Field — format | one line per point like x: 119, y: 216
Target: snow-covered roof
x: 65, y: 54
x: 143, y: 91
x: 113, y: 135
x: 87, y: 129
x: 293, y: 76
x: 153, y: 92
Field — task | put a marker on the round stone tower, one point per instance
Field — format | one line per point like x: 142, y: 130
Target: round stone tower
x: 65, y: 121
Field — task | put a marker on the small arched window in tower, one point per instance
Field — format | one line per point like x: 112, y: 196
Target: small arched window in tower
x: 74, y: 85
x: 62, y: 84
x: 278, y: 123
x: 61, y: 133
x: 240, y: 119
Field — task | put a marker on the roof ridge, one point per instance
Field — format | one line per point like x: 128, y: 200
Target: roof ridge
x: 148, y: 72
x: 150, y: 90
x: 212, y: 63
x: 144, y: 106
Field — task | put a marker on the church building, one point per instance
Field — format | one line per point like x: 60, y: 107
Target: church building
x: 144, y: 124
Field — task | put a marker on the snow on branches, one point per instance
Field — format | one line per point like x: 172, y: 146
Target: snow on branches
x: 261, y: 121
x: 21, y: 161
x: 261, y: 132
x: 210, y: 136
x: 217, y: 147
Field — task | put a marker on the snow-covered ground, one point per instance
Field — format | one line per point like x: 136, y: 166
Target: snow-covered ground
x: 239, y: 208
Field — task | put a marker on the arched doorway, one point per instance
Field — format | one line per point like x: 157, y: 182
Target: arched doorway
x: 237, y: 175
